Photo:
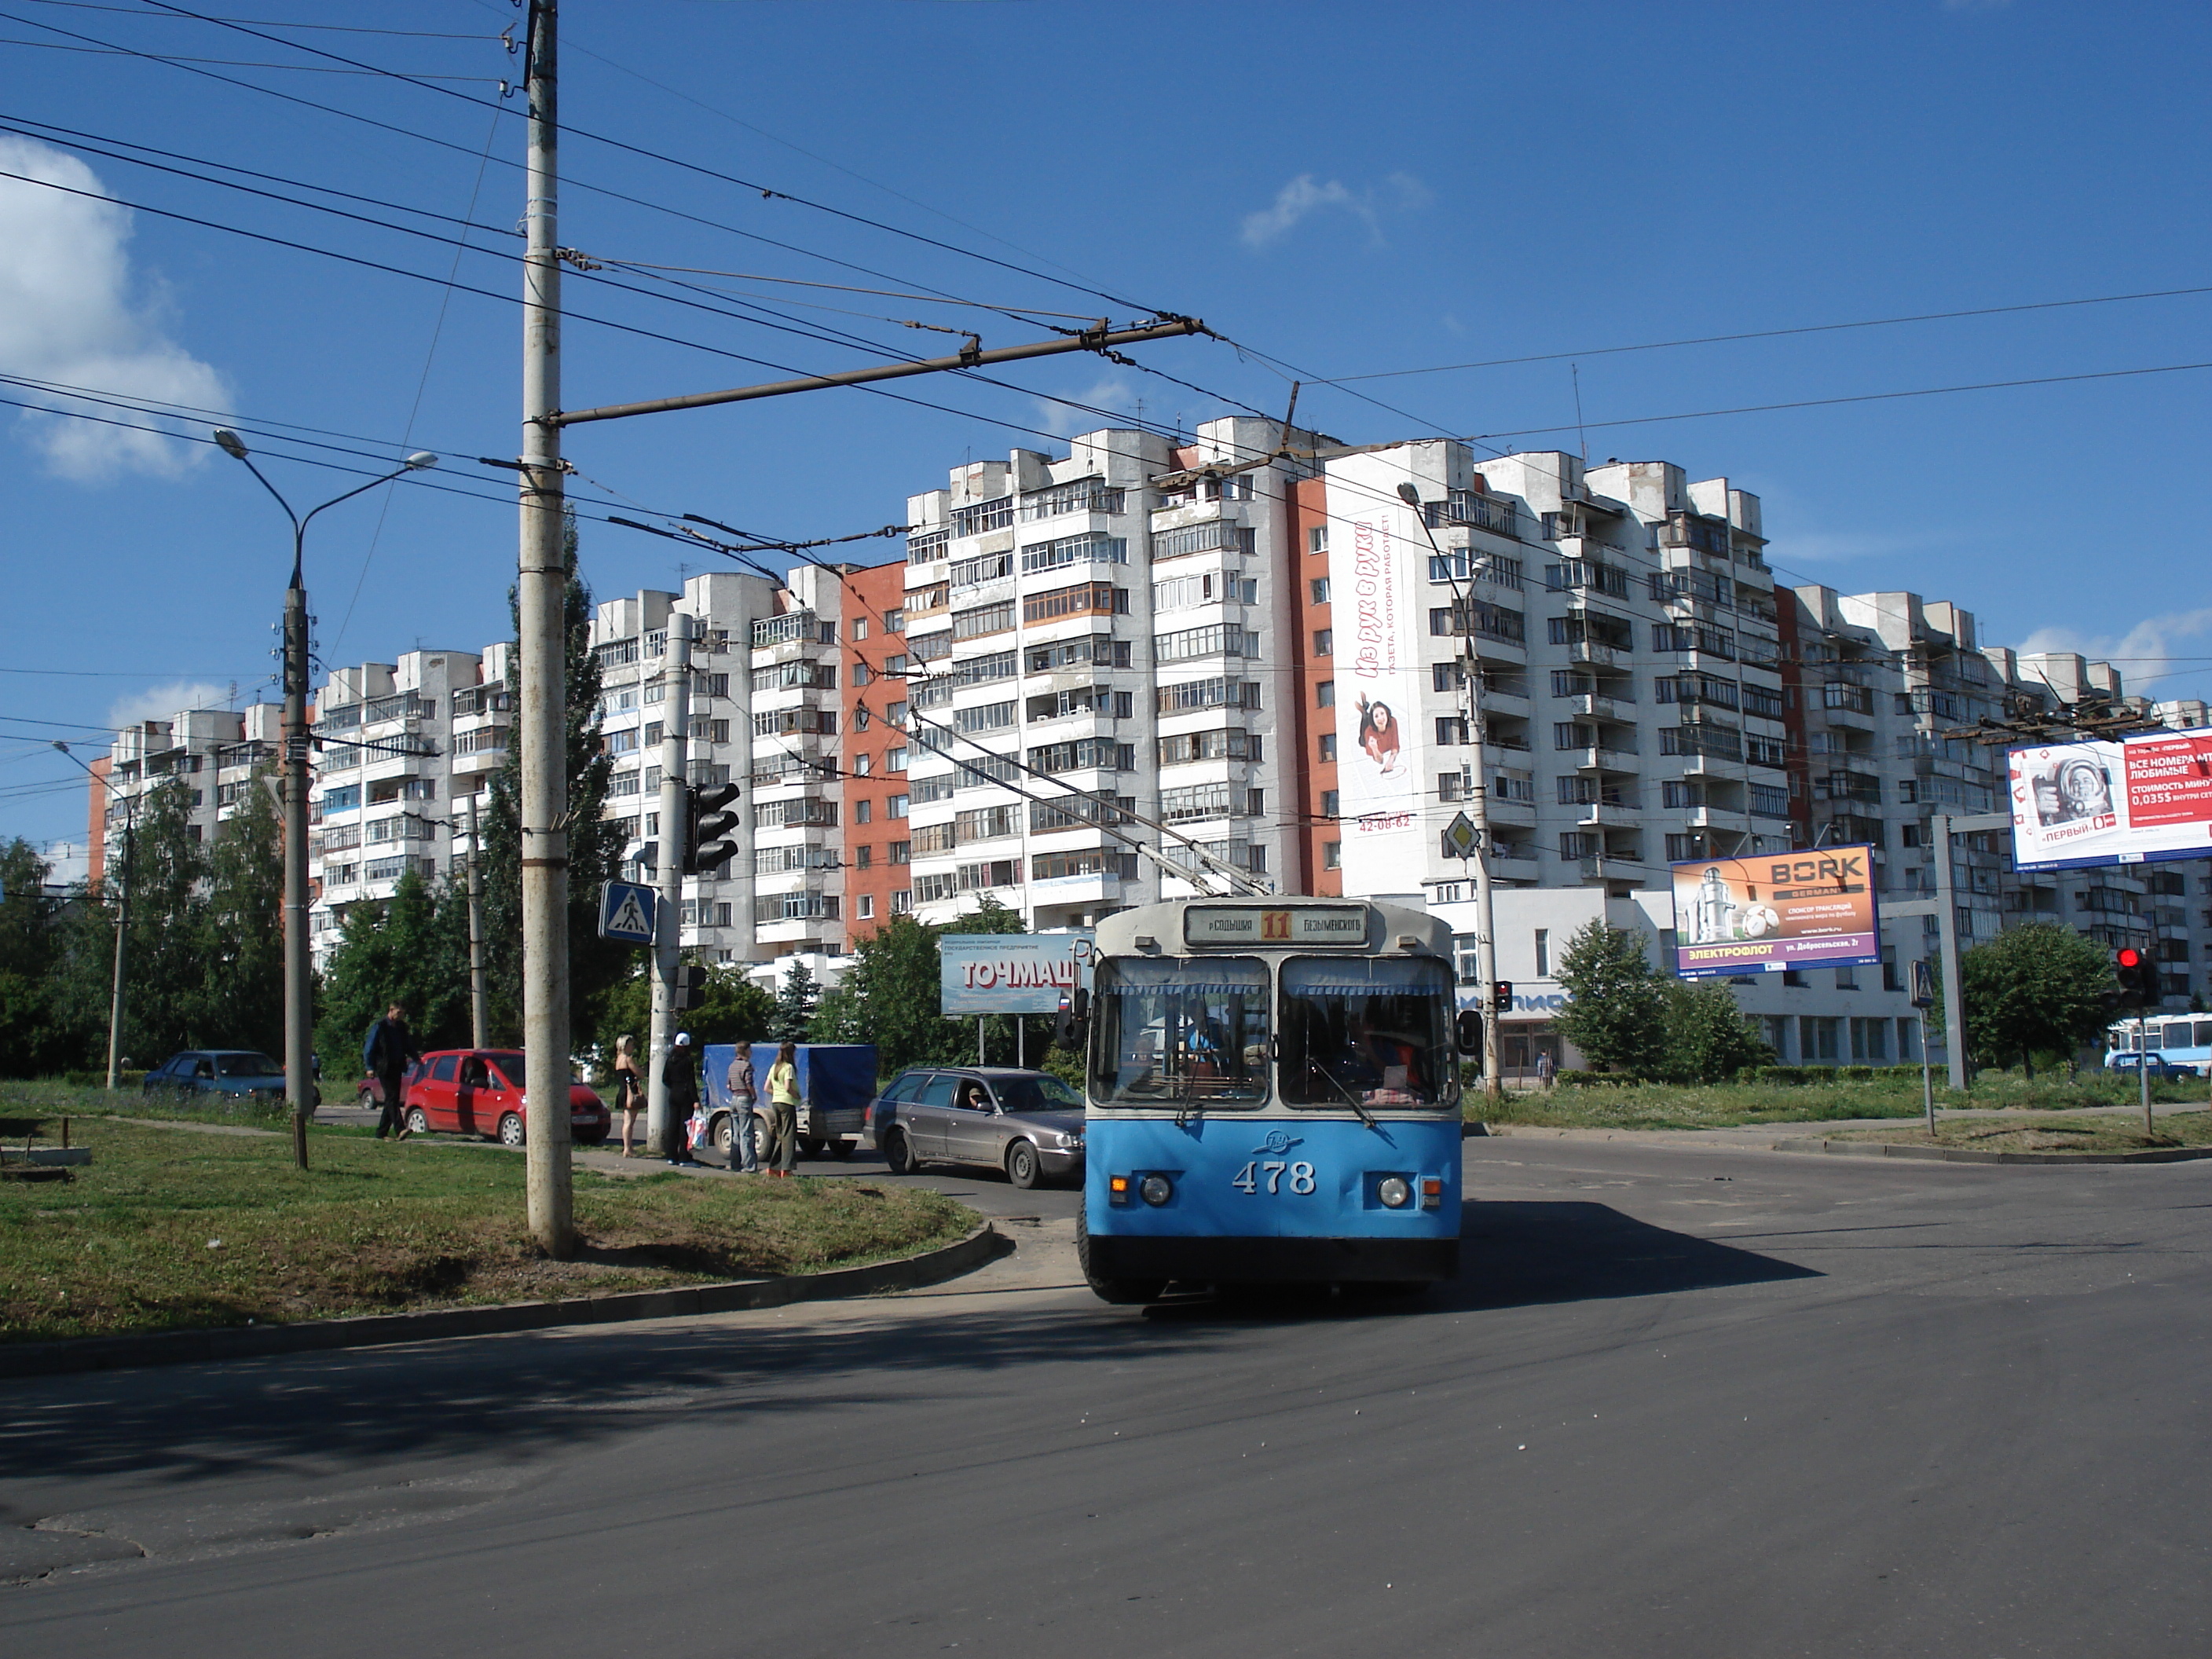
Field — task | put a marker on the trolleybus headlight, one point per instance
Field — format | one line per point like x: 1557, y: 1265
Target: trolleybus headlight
x: 1395, y: 1192
x: 1156, y: 1189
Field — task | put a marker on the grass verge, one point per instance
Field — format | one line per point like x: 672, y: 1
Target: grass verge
x: 2044, y: 1133
x: 174, y: 1228
x: 1726, y: 1106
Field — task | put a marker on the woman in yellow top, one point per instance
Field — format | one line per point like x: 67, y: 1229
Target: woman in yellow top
x: 782, y: 1150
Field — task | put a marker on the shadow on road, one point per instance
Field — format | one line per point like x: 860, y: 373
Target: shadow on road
x: 513, y: 1397
x: 1520, y: 1255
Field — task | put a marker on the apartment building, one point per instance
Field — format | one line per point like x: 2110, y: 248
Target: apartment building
x: 723, y: 612
x: 1625, y: 630
x: 399, y: 747
x: 213, y: 752
x: 1092, y: 639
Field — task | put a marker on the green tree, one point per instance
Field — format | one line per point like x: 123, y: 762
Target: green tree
x: 735, y: 1011
x: 241, y: 923
x: 595, y: 966
x: 397, y: 950
x: 161, y: 868
x: 2036, y: 989
x: 1709, y: 1038
x: 1616, y: 1012
x: 796, y: 999
x: 36, y: 1036
x: 889, y: 996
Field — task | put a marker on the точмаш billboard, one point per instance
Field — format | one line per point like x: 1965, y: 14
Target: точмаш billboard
x: 1813, y: 908
x: 2143, y: 798
x: 1010, y: 973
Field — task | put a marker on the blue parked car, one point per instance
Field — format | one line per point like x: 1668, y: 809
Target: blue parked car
x: 228, y: 1075
x: 2128, y: 1059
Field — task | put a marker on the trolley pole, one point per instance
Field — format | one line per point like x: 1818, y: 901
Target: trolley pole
x: 662, y: 1128
x: 479, y: 1011
x: 542, y: 592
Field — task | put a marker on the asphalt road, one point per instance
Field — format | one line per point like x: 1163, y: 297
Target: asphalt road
x: 1681, y: 1402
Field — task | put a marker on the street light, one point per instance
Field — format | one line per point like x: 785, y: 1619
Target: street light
x: 299, y: 992
x: 1474, y: 789
x: 122, y: 917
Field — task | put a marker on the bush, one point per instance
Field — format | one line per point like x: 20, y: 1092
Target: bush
x: 1598, y: 1079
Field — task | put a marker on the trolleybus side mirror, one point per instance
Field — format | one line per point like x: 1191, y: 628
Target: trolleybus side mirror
x: 1071, y: 1026
x: 1469, y: 1025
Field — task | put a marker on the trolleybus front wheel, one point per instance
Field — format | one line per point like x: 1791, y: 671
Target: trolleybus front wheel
x: 1122, y: 1292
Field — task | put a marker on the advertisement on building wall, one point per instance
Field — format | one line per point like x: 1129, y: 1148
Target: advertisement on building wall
x: 1812, y: 908
x: 2140, y: 799
x: 1376, y: 561
x: 1010, y: 973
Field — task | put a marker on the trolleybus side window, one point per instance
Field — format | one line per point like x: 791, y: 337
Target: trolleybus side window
x: 1181, y: 1032
x: 1378, y: 1031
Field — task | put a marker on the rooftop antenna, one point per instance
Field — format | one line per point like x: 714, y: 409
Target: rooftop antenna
x: 1575, y: 369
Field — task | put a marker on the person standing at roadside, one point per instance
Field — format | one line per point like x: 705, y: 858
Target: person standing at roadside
x: 783, y: 1112
x: 392, y: 1050
x: 744, y: 1095
x: 629, y: 1094
x: 682, y: 1077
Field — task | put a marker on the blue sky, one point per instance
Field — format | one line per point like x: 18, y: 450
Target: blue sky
x: 1350, y: 191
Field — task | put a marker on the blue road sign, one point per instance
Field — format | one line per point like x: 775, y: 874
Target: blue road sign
x: 626, y: 912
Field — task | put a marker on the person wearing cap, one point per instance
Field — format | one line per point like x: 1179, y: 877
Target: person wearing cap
x: 681, y: 1072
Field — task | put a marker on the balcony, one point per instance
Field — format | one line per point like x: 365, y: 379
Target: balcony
x: 1596, y: 655
x: 1602, y: 759
x: 792, y: 627
x: 1604, y: 708
x: 1612, y: 866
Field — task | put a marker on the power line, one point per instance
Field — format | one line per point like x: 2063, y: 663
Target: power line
x: 226, y: 63
x: 1778, y: 333
x: 1867, y: 397
x: 268, y: 22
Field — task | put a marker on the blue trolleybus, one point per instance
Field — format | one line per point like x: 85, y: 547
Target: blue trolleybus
x: 1272, y: 1096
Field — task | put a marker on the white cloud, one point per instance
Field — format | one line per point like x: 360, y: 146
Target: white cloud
x: 1110, y: 393
x: 70, y: 312
x: 1303, y: 196
x: 158, y: 702
x: 2153, y: 648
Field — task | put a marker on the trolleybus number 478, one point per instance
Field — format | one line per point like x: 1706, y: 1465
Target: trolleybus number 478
x: 1249, y: 1178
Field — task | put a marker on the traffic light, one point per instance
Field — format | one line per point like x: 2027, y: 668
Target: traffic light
x: 707, y: 818
x: 1501, y: 997
x: 2138, y: 977
x: 690, y: 989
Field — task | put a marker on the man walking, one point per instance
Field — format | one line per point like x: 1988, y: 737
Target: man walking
x: 681, y: 1074
x: 390, y: 1050
x: 743, y: 1092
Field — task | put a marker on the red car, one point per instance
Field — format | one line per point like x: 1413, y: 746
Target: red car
x: 479, y: 1092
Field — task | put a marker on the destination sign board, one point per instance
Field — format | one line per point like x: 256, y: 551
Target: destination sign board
x: 1250, y: 925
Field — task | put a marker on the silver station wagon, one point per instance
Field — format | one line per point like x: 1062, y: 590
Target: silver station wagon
x: 1028, y: 1123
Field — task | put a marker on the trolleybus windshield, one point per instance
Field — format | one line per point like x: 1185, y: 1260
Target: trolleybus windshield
x: 1181, y: 1032
x: 1373, y: 1031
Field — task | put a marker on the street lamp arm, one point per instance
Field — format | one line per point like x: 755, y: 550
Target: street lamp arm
x: 396, y: 472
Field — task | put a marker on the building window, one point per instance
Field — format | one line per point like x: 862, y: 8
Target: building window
x: 1318, y: 542
x: 864, y: 857
x: 863, y: 811
x: 1543, y: 953
x: 1319, y: 587
x: 1325, y: 695
x: 1847, y: 979
x: 1332, y: 852
x: 894, y: 760
x: 1328, y: 745
x: 1324, y: 642
x: 859, y: 628
x: 1819, y: 1039
x: 865, y: 908
x: 903, y: 903
x: 902, y: 852
x: 894, y: 807
x: 1255, y: 803
x: 863, y: 764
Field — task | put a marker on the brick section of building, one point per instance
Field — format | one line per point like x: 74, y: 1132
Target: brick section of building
x: 876, y: 861
x: 1320, y: 837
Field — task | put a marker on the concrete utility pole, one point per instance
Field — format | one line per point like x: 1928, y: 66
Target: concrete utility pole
x: 122, y: 915
x: 541, y: 719
x: 1474, y: 790
x: 479, y: 1009
x: 661, y: 1128
x: 1941, y: 827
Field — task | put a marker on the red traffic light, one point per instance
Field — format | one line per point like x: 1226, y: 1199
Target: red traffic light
x: 2129, y: 956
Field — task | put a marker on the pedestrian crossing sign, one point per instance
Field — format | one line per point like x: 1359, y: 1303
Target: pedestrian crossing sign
x: 626, y: 912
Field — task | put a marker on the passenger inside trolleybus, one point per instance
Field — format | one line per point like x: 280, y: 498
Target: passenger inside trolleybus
x: 1367, y: 1033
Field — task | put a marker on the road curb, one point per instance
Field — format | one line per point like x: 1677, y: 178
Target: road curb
x: 1967, y: 1155
x: 101, y: 1354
